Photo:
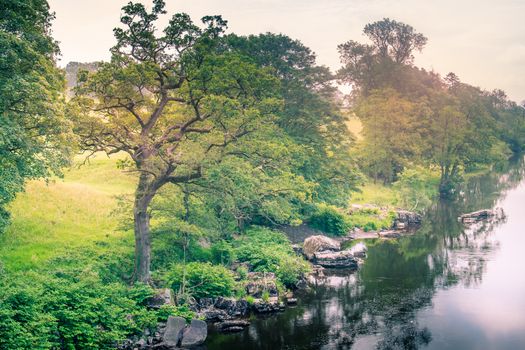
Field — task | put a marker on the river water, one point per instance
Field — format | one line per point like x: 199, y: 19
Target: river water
x: 446, y: 287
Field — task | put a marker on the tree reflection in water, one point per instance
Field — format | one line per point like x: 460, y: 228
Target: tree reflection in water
x: 377, y: 306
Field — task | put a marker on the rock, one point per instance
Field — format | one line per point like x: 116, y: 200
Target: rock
x: 358, y: 233
x: 195, y: 334
x: 221, y: 309
x: 298, y: 249
x: 206, y: 302
x: 319, y: 243
x: 232, y: 307
x: 232, y: 326
x: 405, y: 219
x: 174, y: 329
x: 481, y: 215
x: 271, y: 305
x: 301, y: 284
x: 400, y: 225
x: 162, y: 297
x: 214, y: 315
x: 359, y: 250
x: 261, y: 282
x: 343, y: 259
x: 318, y: 271
x: 291, y: 301
x: 354, y: 208
x: 389, y: 234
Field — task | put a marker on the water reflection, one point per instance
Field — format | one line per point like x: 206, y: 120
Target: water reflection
x: 443, y: 287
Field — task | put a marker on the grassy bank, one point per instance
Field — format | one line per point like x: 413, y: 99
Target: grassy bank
x: 49, y: 219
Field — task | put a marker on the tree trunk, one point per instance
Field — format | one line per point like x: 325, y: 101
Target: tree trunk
x: 143, y: 197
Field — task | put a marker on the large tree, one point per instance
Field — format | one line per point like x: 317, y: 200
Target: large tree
x: 32, y: 125
x: 174, y: 102
x: 311, y: 114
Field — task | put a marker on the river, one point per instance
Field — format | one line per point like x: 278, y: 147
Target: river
x: 446, y: 287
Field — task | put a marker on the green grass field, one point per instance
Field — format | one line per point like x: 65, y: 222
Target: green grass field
x: 376, y: 194
x: 64, y: 214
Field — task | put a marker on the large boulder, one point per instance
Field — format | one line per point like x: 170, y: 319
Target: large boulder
x: 405, y: 219
x: 342, y: 259
x: 195, y: 334
x: 173, y: 332
x: 261, y: 282
x: 314, y: 244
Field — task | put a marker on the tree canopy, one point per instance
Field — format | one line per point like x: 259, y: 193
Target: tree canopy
x: 33, y: 130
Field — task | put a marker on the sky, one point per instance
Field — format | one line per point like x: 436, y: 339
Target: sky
x: 482, y: 41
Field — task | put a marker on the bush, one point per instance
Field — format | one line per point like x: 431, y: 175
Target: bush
x: 171, y: 310
x: 328, y: 219
x: 370, y: 226
x: 271, y: 251
x: 203, y: 280
x: 69, y: 310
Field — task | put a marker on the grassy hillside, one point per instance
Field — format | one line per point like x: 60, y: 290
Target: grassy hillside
x: 64, y: 214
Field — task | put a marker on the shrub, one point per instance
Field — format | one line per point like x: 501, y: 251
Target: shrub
x: 69, y: 310
x: 270, y: 251
x: 370, y: 226
x: 203, y: 280
x: 171, y: 310
x: 328, y: 219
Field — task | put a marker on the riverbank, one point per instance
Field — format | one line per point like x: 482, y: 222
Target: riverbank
x: 414, y: 290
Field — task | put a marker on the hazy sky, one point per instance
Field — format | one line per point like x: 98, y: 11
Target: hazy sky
x: 482, y: 41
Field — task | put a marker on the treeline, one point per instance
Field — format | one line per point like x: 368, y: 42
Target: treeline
x: 414, y: 117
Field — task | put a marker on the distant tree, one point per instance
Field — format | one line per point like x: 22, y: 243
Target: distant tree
x: 395, y: 40
x: 386, y: 62
x: 175, y: 103
x: 33, y: 130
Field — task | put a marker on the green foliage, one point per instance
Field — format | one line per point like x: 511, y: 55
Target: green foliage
x: 416, y: 187
x: 222, y: 252
x: 65, y: 311
x: 266, y: 250
x: 372, y: 219
x: 329, y: 219
x: 175, y: 310
x: 310, y: 116
x: 203, y: 280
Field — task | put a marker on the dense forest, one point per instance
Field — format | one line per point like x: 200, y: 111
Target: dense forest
x: 214, y: 144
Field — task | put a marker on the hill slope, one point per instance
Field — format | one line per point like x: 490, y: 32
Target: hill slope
x: 64, y: 214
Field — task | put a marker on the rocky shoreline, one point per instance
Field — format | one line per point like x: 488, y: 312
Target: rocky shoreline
x: 262, y: 295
